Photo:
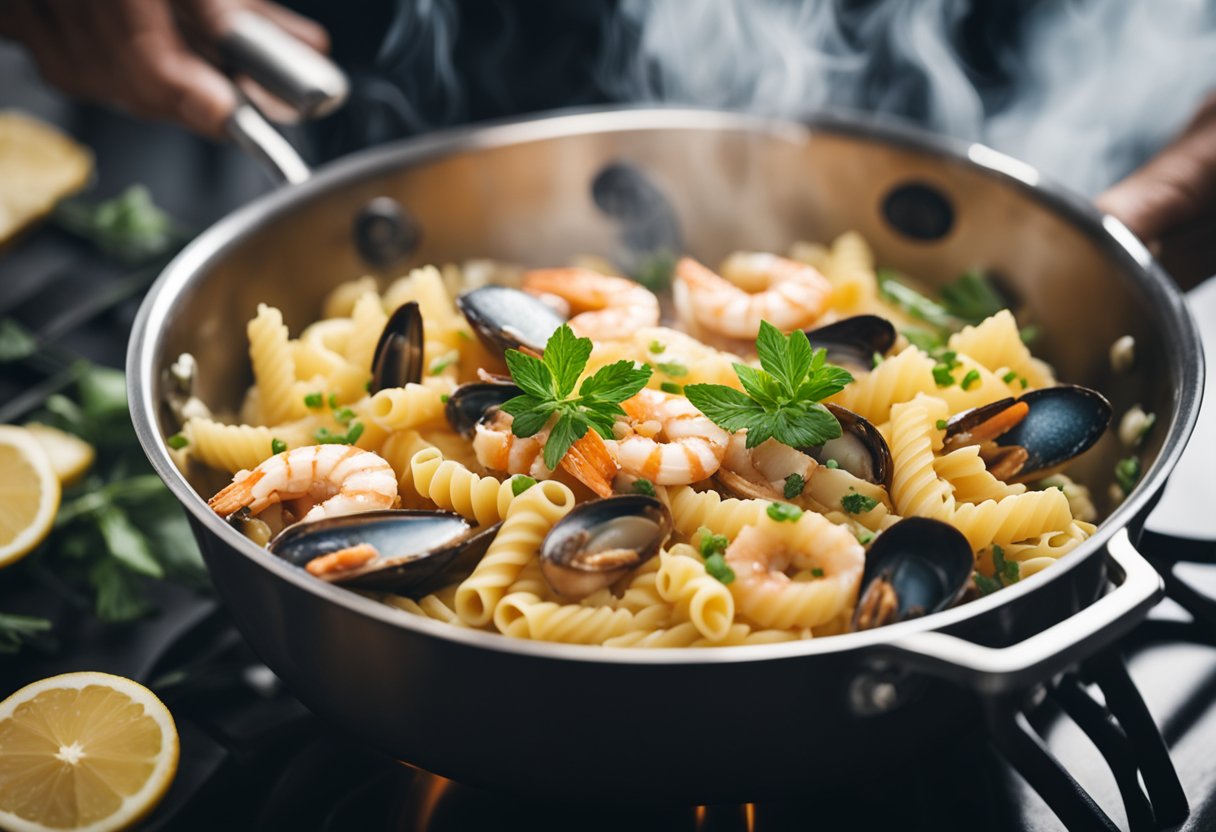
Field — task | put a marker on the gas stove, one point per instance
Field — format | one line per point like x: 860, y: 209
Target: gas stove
x: 254, y: 758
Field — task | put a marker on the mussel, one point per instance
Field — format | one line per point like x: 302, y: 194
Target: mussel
x: 860, y: 448
x: 506, y: 318
x: 1031, y: 436
x: 469, y: 403
x: 397, y: 360
x: 852, y: 342
x: 600, y: 542
x: 410, y: 551
x: 916, y: 567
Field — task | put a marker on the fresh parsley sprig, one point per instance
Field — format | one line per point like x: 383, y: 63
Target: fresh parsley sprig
x: 781, y: 400
x: 548, y: 384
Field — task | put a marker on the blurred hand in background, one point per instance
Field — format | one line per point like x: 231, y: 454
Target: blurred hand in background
x: 151, y: 58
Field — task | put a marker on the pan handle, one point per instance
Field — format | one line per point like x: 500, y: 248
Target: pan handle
x: 998, y: 670
x: 309, y: 82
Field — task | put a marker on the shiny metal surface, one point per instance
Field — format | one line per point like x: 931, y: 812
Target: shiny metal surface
x: 522, y: 192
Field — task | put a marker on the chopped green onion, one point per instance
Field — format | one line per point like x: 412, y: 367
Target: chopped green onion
x: 657, y: 347
x: 367, y: 385
x: 1127, y: 473
x: 1024, y: 382
x: 794, y: 484
x: 314, y: 400
x: 464, y: 335
x: 277, y: 446
x: 986, y: 585
x: 441, y: 362
x: 716, y: 567
x: 831, y: 463
x: 671, y: 369
x: 644, y: 486
x: 857, y: 503
x: 709, y: 544
x: 816, y: 572
x: 876, y: 358
x: 521, y: 483
x: 942, y: 376
x: 671, y: 387
x: 1028, y: 334
x: 443, y: 397
x: 325, y: 436
x: 784, y: 512
x: 344, y: 415
x: 177, y: 441
x: 864, y: 537
x: 970, y: 379
x: 941, y: 424
x: 1009, y: 377
x: 333, y: 401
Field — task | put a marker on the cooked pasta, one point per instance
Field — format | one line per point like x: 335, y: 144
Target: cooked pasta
x: 767, y: 543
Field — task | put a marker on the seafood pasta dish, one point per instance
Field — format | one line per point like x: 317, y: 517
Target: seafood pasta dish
x: 775, y: 448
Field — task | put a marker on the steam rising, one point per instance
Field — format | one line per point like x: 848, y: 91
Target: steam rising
x: 1087, y: 90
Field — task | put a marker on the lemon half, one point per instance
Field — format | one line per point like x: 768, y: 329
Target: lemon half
x: 87, y: 752
x: 29, y: 493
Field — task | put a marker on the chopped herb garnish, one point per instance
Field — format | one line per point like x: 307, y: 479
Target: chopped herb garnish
x: 784, y: 512
x: 1009, y: 377
x: 794, y: 484
x: 177, y: 441
x: 644, y: 486
x: 657, y: 347
x: 1028, y: 334
x: 864, y: 537
x: 925, y: 339
x: 716, y: 567
x: 671, y: 369
x: 344, y: 415
x: 972, y: 297
x: 464, y: 335
x: 671, y: 387
x: 942, y: 376
x: 521, y: 483
x: 1006, y: 572
x: 913, y: 302
x: 986, y: 585
x: 277, y: 446
x: 314, y: 400
x: 857, y: 503
x: 970, y: 379
x: 367, y: 385
x: 942, y: 424
x: 831, y: 463
x: 443, y: 397
x: 548, y: 384
x: 875, y: 359
x: 1024, y: 382
x: 441, y: 362
x: 710, y: 544
x: 325, y: 436
x: 816, y: 572
x: 16, y: 630
x: 333, y: 401
x: 781, y: 400
x: 1127, y: 473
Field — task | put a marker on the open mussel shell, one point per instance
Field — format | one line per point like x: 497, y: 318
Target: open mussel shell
x: 1035, y: 433
x: 600, y: 542
x: 860, y: 448
x: 916, y: 567
x: 469, y: 403
x: 506, y: 318
x: 417, y: 549
x: 852, y: 342
x: 397, y: 360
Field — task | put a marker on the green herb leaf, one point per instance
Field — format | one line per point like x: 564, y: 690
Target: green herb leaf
x: 857, y: 503
x: 717, y: 568
x: 119, y: 595
x: 708, y: 543
x: 794, y: 484
x: 444, y: 397
x: 1127, y: 473
x: 566, y: 355
x: 784, y: 512
x: 942, y: 376
x: 972, y: 297
x: 644, y: 486
x: 831, y: 463
x: 277, y: 446
x: 177, y: 441
x: 441, y: 362
x: 671, y: 387
x: 521, y: 483
x: 344, y: 415
x: 530, y: 413
x: 1009, y: 377
x: 125, y: 543
x: 816, y: 572
x: 865, y: 537
x: 16, y: 630
x: 970, y: 379
x: 333, y: 401
x: 657, y: 347
x: 787, y: 359
x: 568, y: 429
x: 875, y: 359
x: 314, y: 400
x: 726, y: 407
x: 1028, y: 334
x: 613, y: 383
x: 986, y: 585
x: 671, y: 369
x: 129, y: 227
x: 16, y: 342
x: 926, y: 339
x: 894, y: 291
x: 530, y: 374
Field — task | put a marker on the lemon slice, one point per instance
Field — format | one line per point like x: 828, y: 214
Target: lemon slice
x: 87, y: 752
x: 29, y: 493
x: 70, y: 455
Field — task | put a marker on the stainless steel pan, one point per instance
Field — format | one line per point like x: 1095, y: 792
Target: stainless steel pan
x: 679, y: 725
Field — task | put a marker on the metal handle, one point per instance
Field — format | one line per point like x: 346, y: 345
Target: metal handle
x: 995, y: 670
x: 250, y: 130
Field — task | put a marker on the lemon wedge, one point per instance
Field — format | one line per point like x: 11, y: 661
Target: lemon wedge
x: 86, y: 752
x: 29, y: 493
x: 70, y: 455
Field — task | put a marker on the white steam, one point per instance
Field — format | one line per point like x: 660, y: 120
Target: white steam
x: 1093, y: 86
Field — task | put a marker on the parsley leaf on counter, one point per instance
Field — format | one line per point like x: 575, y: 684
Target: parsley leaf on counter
x: 548, y: 384
x: 781, y: 400
x: 129, y: 227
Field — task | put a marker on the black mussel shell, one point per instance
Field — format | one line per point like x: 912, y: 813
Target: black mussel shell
x: 1063, y: 422
x: 506, y: 318
x: 418, y: 549
x: 852, y: 342
x: 860, y: 448
x: 916, y: 567
x: 398, y: 357
x: 469, y: 403
x: 600, y: 542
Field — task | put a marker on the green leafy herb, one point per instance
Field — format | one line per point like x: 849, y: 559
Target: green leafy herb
x: 333, y: 401
x: 521, y: 483
x: 857, y: 503
x: 655, y: 270
x: 942, y: 376
x: 1009, y: 377
x: 277, y: 446
x: 177, y: 441
x: 16, y: 342
x: 548, y: 386
x: 875, y: 359
x: 794, y: 484
x: 926, y: 339
x: 16, y: 630
x: 972, y: 297
x: 784, y: 512
x: 441, y: 362
x: 644, y: 486
x: 894, y: 291
x: 986, y: 585
x: 716, y: 567
x: 942, y: 424
x: 970, y: 379
x: 831, y: 463
x: 780, y: 401
x: 344, y: 415
x: 671, y: 387
x: 816, y: 572
x: 314, y: 400
x: 671, y: 369
x: 130, y: 227
x: 1127, y: 473
x: 710, y: 544
x: 1005, y: 571
x: 657, y: 347
x: 325, y: 436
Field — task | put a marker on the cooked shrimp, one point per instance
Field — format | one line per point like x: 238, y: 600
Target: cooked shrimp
x: 498, y: 449
x: 756, y: 287
x: 316, y: 480
x: 667, y: 440
x: 604, y: 307
x: 826, y: 561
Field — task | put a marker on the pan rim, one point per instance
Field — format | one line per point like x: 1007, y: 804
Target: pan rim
x: 190, y: 266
